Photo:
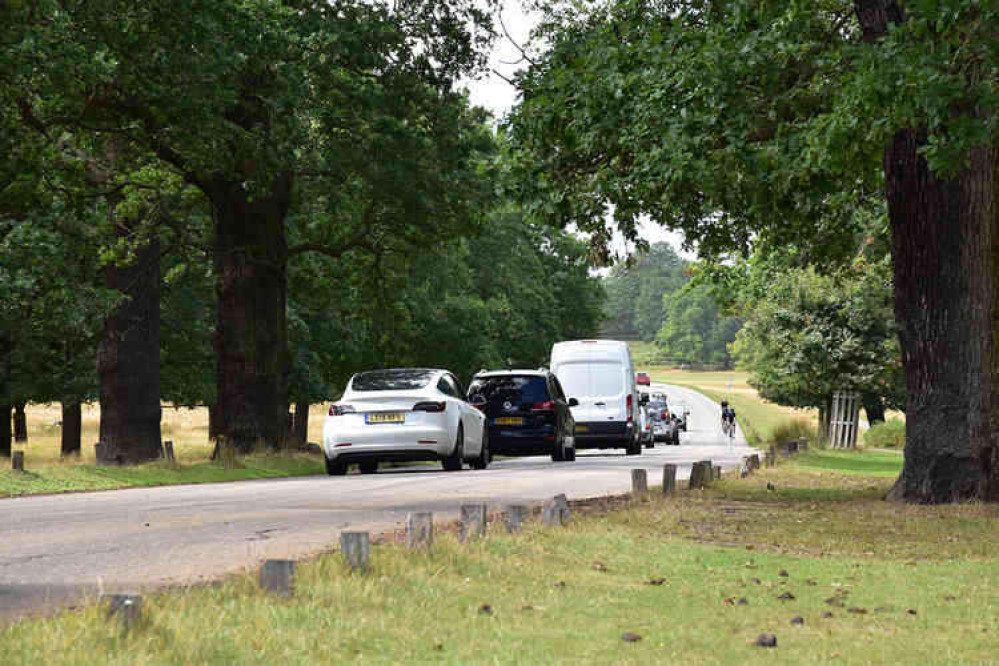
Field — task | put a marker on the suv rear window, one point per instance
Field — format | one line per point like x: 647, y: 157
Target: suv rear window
x: 519, y: 390
x: 391, y: 380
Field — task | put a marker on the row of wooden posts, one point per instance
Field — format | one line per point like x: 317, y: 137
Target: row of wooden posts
x: 166, y: 453
x: 277, y: 576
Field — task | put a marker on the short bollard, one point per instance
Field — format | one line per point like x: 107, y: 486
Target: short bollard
x: 700, y: 475
x: 125, y: 608
x: 356, y: 549
x: 771, y: 456
x: 278, y: 576
x: 99, y: 452
x: 555, y: 512
x: 17, y: 461
x: 669, y: 479
x: 168, y: 451
x: 754, y: 462
x: 639, y: 484
x: 473, y: 521
x: 717, y: 473
x: 513, y: 517
x: 420, y: 529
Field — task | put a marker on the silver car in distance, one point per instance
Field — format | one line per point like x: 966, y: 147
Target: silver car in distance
x: 400, y: 415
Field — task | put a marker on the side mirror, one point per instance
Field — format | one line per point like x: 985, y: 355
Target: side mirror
x: 573, y: 402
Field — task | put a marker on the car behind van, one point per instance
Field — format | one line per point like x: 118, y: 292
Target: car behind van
x: 600, y: 375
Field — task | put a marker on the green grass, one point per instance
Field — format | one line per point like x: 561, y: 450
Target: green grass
x: 868, y: 463
x: 567, y: 596
x: 54, y: 478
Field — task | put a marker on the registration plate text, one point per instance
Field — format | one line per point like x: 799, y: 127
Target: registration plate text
x: 385, y: 417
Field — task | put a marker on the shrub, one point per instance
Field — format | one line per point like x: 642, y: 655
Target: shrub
x: 887, y: 435
x: 792, y: 429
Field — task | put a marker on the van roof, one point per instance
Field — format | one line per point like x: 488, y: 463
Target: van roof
x: 606, y: 343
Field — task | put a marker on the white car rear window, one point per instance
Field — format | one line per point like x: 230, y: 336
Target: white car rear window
x: 580, y: 379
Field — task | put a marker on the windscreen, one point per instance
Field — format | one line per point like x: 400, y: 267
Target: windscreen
x: 392, y: 380
x: 522, y: 390
x: 587, y: 379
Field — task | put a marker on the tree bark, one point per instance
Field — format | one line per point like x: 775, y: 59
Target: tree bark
x: 945, y: 248
x: 301, y: 422
x: 251, y: 338
x: 874, y: 407
x: 20, y: 423
x: 6, y: 432
x: 128, y: 361
x: 214, y: 422
x: 72, y: 429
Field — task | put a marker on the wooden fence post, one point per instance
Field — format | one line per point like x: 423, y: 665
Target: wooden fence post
x: 356, y: 549
x: 278, y: 576
x: 700, y: 475
x: 555, y: 512
x: 716, y: 473
x: 473, y: 521
x: 168, y: 451
x: 420, y: 529
x: 669, y: 479
x: 639, y: 484
x: 513, y: 517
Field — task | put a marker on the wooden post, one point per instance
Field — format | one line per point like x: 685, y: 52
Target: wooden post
x: 555, y: 512
x: 771, y: 456
x: 669, y: 479
x: 639, y: 484
x: 716, y: 473
x: 700, y: 475
x: 17, y: 461
x: 513, y: 517
x: 126, y: 609
x: 802, y: 444
x: 278, y: 576
x: 356, y: 549
x: 473, y: 521
x: 168, y: 451
x: 99, y: 452
x: 420, y: 529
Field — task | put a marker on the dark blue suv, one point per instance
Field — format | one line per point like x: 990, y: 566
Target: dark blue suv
x: 527, y: 413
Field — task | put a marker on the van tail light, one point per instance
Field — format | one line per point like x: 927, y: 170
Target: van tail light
x: 430, y: 406
x: 631, y: 410
x: 340, y: 410
x: 546, y: 406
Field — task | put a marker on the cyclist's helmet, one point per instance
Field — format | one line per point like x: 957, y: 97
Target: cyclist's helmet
x: 724, y: 403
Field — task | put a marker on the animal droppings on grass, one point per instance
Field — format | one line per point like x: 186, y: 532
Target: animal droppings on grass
x: 911, y: 611
x: 766, y: 640
x: 655, y: 581
x: 797, y: 621
x: 949, y: 597
x: 811, y: 581
x: 782, y: 573
x: 728, y: 602
x: 835, y: 601
x: 527, y: 607
x: 741, y: 601
x: 439, y: 647
x: 756, y: 580
x: 485, y: 609
x: 856, y: 610
x: 598, y: 566
x: 826, y: 615
x: 883, y: 609
x: 561, y: 583
x: 785, y: 596
x: 629, y: 637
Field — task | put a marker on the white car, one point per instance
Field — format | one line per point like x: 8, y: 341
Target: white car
x: 400, y: 415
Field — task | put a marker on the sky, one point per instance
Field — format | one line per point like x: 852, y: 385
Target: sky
x: 492, y: 92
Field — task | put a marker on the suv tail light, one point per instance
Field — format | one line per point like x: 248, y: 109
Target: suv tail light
x: 630, y: 408
x: 546, y: 406
x: 340, y: 410
x: 430, y: 406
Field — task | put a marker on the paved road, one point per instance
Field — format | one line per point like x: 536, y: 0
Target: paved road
x: 53, y: 549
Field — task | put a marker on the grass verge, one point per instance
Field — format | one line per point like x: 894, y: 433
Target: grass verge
x: 54, y: 478
x: 902, y: 584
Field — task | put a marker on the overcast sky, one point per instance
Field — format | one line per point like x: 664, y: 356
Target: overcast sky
x: 494, y: 93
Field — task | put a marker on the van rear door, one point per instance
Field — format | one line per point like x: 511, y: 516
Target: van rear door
x: 599, y: 387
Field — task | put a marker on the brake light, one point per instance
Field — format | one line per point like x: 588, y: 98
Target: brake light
x: 630, y: 410
x: 665, y: 414
x: 340, y: 410
x: 546, y: 406
x: 430, y: 406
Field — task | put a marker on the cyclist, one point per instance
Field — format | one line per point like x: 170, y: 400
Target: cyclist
x: 728, y: 418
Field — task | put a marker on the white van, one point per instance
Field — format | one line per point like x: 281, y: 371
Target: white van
x: 600, y: 375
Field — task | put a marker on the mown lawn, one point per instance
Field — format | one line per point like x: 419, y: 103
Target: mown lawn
x: 697, y: 577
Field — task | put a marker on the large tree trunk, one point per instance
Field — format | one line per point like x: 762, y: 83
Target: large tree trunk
x: 6, y: 432
x: 301, y: 422
x: 20, y: 423
x: 214, y: 422
x: 72, y: 429
x: 128, y: 361
x: 945, y: 248
x: 251, y: 338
